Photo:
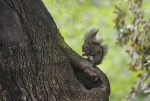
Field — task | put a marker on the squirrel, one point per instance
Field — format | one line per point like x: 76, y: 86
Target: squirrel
x: 93, y: 49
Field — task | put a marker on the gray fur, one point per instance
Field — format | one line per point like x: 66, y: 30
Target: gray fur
x: 93, y: 47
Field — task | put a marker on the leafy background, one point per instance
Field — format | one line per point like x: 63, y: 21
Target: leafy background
x: 74, y: 17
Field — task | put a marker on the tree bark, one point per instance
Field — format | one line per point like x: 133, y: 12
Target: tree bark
x: 35, y: 62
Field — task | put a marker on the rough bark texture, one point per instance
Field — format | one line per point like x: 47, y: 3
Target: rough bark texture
x: 35, y: 62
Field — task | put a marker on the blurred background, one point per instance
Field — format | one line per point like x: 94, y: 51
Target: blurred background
x: 75, y: 17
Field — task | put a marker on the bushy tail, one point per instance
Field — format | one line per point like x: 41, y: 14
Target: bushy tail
x: 90, y: 36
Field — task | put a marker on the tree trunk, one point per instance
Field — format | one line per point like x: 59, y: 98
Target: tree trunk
x: 35, y: 62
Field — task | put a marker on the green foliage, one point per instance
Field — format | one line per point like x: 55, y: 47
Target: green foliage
x: 134, y: 35
x: 74, y: 17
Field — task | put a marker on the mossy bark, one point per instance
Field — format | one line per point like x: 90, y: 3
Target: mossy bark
x: 35, y: 62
